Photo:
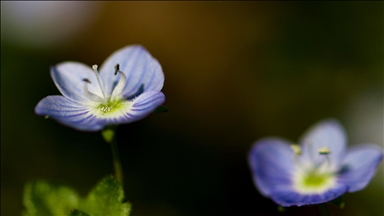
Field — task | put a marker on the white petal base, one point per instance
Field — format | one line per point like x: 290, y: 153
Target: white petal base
x: 113, y: 110
x: 307, y: 182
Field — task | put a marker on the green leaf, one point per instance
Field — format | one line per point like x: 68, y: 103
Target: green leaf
x: 44, y: 198
x: 76, y: 212
x: 106, y: 199
x: 161, y: 109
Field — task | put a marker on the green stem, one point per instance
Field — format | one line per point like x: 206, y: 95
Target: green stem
x: 109, y: 137
x: 116, y: 162
x: 324, y: 210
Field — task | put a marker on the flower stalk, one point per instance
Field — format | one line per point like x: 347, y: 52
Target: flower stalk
x: 108, y: 134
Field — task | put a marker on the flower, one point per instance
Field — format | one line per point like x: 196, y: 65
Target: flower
x: 126, y: 89
x: 319, y: 170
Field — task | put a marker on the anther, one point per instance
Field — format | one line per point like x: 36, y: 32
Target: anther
x: 86, y: 80
x: 296, y: 149
x: 324, y: 151
x: 117, y: 69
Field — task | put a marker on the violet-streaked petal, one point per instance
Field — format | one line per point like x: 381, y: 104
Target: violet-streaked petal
x: 139, y: 67
x: 69, y: 113
x: 359, y: 166
x: 69, y: 76
x: 327, y: 133
x: 145, y: 104
x: 289, y: 197
x: 272, y: 165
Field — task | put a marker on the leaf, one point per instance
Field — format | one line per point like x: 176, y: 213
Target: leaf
x: 161, y: 109
x: 76, y: 212
x: 106, y: 199
x: 44, y: 198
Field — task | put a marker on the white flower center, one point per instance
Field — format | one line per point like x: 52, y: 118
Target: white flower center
x: 316, y: 179
x: 107, y: 104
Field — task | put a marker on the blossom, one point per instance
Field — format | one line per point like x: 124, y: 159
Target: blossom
x: 126, y: 89
x: 317, y: 171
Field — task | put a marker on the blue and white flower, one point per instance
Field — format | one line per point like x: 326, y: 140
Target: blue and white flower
x: 318, y: 170
x: 127, y: 88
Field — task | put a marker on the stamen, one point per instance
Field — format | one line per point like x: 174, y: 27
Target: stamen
x: 324, y: 151
x: 120, y: 85
x: 94, y: 67
x: 297, y: 152
x: 90, y: 95
x: 296, y: 149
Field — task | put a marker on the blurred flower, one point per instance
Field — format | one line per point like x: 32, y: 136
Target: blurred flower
x: 126, y: 90
x: 318, y: 171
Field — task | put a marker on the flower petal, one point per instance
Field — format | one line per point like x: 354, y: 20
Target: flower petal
x: 359, y: 166
x: 272, y: 165
x: 69, y: 113
x: 289, y: 197
x: 69, y: 76
x: 145, y: 104
x: 327, y: 133
x: 139, y: 67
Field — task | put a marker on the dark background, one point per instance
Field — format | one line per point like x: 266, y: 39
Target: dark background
x: 234, y: 73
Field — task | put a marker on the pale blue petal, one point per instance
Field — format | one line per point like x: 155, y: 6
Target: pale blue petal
x: 289, y: 197
x: 142, y: 106
x: 69, y: 113
x: 359, y: 166
x: 272, y: 165
x: 140, y: 68
x: 68, y: 77
x: 327, y: 133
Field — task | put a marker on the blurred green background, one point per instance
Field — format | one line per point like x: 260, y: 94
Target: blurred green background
x: 234, y: 73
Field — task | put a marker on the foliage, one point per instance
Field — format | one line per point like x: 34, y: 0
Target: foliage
x: 45, y: 198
